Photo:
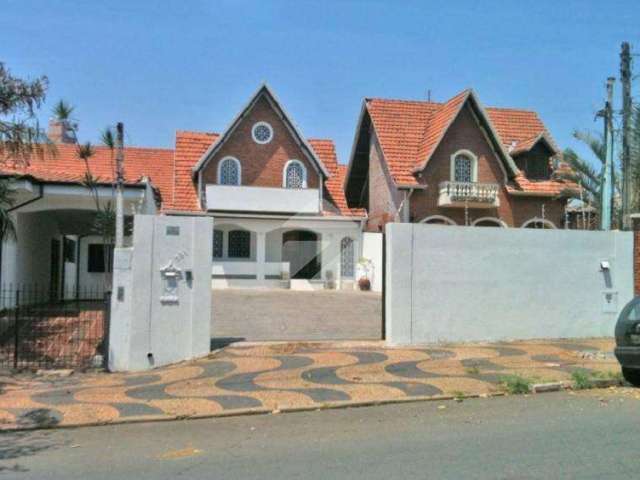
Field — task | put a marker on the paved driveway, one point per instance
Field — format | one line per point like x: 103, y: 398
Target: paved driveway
x: 255, y: 315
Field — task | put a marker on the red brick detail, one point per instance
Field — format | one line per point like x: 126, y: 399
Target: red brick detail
x: 262, y: 165
x: 514, y: 210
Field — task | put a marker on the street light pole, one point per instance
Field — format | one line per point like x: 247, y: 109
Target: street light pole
x: 119, y: 185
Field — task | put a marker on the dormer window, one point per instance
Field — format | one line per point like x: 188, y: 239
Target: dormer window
x: 464, y: 167
x: 229, y: 171
x: 294, y: 175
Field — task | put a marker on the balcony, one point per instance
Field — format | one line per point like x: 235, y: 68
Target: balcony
x: 241, y: 198
x: 469, y: 194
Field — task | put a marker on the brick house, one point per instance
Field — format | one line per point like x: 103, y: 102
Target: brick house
x: 276, y: 197
x: 455, y: 163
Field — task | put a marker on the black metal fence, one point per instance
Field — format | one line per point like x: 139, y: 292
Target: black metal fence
x: 39, y: 329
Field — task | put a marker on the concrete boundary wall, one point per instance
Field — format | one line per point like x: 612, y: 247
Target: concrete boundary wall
x: 449, y: 283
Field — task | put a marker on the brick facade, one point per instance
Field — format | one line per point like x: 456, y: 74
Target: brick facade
x: 464, y: 133
x: 262, y: 165
x: 384, y: 198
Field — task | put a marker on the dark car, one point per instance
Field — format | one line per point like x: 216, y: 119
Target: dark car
x: 628, y: 341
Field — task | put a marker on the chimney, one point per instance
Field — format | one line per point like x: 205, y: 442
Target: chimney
x: 61, y: 131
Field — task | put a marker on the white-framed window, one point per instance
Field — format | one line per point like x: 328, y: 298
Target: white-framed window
x: 464, y: 167
x: 229, y: 171
x: 347, y: 262
x: 262, y: 133
x: 294, y: 175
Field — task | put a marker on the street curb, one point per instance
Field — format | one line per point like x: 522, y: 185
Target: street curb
x: 336, y: 405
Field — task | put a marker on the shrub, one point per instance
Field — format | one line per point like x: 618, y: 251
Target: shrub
x: 581, y: 380
x: 516, y: 385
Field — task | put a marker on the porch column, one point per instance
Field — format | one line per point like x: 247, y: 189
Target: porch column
x: 260, y: 255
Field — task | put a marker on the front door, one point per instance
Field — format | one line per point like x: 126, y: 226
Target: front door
x: 300, y: 249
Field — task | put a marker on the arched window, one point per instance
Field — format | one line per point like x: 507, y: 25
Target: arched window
x: 295, y: 175
x: 464, y: 167
x: 438, y: 220
x: 239, y: 244
x: 540, y: 223
x: 489, y: 222
x: 346, y: 258
x: 229, y: 171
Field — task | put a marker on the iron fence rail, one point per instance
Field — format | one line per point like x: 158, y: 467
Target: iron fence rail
x: 41, y: 330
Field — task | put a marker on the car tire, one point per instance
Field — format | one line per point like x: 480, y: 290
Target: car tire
x: 631, y: 375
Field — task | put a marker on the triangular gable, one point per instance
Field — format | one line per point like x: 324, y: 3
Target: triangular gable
x: 527, y: 145
x: 266, y: 91
x: 444, y: 118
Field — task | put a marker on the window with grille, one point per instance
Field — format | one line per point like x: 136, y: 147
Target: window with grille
x: 463, y: 169
x: 239, y: 244
x: 346, y: 257
x: 229, y: 172
x: 100, y: 258
x: 218, y: 236
x: 295, y: 175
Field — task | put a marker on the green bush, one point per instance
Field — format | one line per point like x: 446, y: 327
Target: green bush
x: 515, y: 384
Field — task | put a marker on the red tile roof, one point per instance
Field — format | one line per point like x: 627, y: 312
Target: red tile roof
x: 190, y: 146
x: 333, y: 187
x: 409, y: 132
x: 66, y: 167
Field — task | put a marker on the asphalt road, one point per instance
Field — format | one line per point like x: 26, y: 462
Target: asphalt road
x: 549, y: 436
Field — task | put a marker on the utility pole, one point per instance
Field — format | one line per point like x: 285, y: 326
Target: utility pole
x: 607, y: 175
x: 628, y: 193
x: 119, y: 185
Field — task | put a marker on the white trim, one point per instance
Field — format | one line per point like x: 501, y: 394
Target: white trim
x: 549, y: 223
x: 239, y: 165
x: 497, y: 221
x: 447, y: 220
x: 284, y: 172
x: 474, y: 164
x: 262, y: 124
x: 356, y: 137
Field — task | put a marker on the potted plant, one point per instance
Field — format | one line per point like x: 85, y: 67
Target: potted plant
x: 364, y: 284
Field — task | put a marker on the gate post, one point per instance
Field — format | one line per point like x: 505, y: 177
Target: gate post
x: 106, y: 323
x: 16, y: 326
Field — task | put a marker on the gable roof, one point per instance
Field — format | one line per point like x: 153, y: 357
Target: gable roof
x: 271, y: 97
x: 64, y: 166
x: 191, y: 146
x: 409, y: 132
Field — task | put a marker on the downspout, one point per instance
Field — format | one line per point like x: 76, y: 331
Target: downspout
x: 15, y: 207
x: 78, y: 250
x: 406, y: 198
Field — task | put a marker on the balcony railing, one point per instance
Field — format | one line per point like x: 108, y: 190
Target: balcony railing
x: 471, y: 194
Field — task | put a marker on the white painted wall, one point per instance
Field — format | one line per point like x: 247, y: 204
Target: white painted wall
x: 449, y: 283
x: 147, y: 329
x: 372, y: 251
x: 262, y: 199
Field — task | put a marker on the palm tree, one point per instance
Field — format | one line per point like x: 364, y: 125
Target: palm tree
x: 589, y: 178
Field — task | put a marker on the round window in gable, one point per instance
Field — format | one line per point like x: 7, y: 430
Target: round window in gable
x: 262, y: 133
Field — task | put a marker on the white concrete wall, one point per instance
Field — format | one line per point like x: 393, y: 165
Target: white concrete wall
x: 372, y: 251
x: 149, y: 327
x: 469, y: 284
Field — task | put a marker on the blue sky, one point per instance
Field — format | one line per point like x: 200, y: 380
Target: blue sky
x: 191, y: 65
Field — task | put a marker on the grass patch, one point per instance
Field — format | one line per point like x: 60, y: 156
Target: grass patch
x: 516, y: 385
x: 474, y: 370
x: 458, y: 396
x: 581, y: 380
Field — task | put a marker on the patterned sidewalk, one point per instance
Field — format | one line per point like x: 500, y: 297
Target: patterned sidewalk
x: 278, y: 377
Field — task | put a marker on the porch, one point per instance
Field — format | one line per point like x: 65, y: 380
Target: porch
x: 285, y: 253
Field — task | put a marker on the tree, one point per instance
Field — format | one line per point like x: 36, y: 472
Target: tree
x: 588, y: 177
x: 20, y: 134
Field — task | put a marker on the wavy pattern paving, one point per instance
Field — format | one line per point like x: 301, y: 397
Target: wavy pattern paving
x: 268, y: 377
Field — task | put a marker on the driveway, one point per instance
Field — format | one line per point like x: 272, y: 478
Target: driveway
x: 256, y: 315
